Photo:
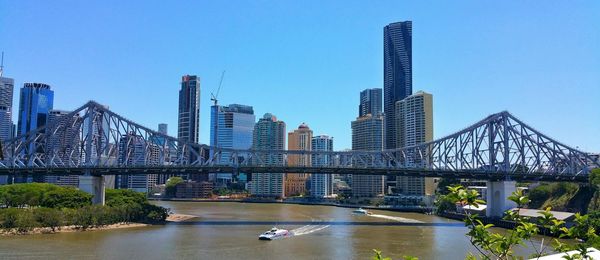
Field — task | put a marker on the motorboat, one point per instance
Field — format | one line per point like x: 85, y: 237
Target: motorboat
x: 361, y: 211
x: 274, y: 233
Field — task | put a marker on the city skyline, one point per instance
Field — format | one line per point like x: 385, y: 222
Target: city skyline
x: 518, y: 79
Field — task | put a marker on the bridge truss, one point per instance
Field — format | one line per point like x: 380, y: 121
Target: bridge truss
x: 93, y: 140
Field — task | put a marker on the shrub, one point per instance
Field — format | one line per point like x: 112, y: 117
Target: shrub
x: 46, y: 217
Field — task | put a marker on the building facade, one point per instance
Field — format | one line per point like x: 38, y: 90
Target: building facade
x: 36, y: 101
x: 397, y: 73
x: 65, y: 142
x: 414, y: 122
x: 6, y: 99
x: 367, y: 135
x: 370, y: 102
x: 132, y: 151
x: 231, y: 127
x: 321, y: 185
x: 188, y: 128
x: 269, y: 134
x: 299, y: 139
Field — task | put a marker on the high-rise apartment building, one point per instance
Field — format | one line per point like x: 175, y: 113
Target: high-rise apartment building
x: 414, y: 122
x: 6, y: 98
x: 231, y: 127
x: 189, y: 109
x: 370, y: 102
x: 269, y: 134
x: 299, y: 139
x: 367, y: 135
x: 65, y: 144
x: 397, y: 73
x: 321, y: 185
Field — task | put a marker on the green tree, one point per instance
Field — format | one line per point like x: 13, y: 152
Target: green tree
x: 171, y: 186
x: 491, y: 245
x: 66, y: 198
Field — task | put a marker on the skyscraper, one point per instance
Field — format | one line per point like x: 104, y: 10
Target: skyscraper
x: 299, y: 139
x: 321, y: 185
x: 189, y: 109
x: 36, y: 101
x: 64, y: 142
x: 269, y: 134
x: 231, y: 127
x: 6, y: 98
x: 370, y: 102
x: 397, y: 73
x: 414, y: 121
x: 367, y: 135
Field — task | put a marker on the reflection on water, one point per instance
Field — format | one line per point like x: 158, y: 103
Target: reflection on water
x: 230, y: 231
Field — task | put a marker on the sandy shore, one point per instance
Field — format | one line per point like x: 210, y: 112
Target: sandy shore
x: 179, y: 217
x: 67, y: 229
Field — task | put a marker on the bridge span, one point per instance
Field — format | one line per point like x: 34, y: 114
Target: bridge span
x: 94, y: 141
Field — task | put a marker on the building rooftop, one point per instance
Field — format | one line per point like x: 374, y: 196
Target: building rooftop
x: 534, y: 213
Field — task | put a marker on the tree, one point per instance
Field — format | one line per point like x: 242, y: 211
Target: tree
x: 491, y: 245
x: 171, y: 186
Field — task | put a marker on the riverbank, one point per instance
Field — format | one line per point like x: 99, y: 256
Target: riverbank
x: 425, y: 210
x: 69, y: 229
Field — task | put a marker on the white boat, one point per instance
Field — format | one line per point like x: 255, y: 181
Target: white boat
x: 274, y: 233
x: 361, y: 211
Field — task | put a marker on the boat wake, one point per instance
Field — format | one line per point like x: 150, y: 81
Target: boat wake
x: 308, y: 229
x: 400, y: 219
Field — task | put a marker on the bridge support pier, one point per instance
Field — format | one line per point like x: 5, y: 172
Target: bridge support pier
x: 497, y: 197
x: 93, y: 185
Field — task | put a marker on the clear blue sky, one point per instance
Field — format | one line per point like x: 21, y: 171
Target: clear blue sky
x: 307, y: 61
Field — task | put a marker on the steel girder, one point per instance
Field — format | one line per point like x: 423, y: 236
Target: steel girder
x: 93, y: 138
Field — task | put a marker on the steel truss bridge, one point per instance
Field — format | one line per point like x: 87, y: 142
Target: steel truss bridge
x: 92, y: 140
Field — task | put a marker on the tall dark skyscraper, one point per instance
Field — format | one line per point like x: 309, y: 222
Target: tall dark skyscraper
x: 189, y: 109
x: 397, y: 74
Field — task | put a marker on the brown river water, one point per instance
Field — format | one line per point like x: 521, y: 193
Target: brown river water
x: 229, y: 230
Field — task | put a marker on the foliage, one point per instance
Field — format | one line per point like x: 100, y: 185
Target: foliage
x: 33, y: 205
x: 171, y: 186
x: 491, y: 245
x: 121, y: 197
x: 559, y: 195
x: 43, y: 195
x: 378, y: 256
x: 444, y: 203
x: 595, y: 177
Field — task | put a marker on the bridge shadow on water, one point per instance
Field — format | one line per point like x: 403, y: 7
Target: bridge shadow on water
x: 299, y: 223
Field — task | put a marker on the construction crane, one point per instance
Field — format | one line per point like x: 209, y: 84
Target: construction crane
x: 214, y: 97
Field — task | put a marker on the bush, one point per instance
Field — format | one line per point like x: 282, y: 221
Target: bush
x: 46, y: 217
x: 25, y: 221
x: 8, y: 218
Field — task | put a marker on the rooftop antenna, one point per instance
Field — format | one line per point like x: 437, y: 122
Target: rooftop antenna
x: 2, y: 65
x: 214, y: 97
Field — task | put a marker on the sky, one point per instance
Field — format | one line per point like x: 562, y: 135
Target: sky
x: 307, y: 61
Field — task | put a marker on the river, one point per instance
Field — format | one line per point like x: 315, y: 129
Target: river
x: 229, y: 230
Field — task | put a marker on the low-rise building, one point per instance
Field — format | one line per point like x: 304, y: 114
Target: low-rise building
x: 191, y: 189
